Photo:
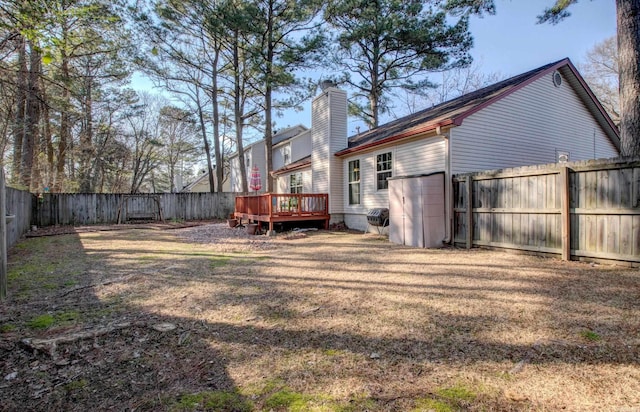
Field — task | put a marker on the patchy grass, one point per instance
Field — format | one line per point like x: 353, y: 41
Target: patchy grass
x: 41, y: 321
x: 590, y: 335
x: 219, y: 261
x: 67, y: 316
x: 76, y: 385
x: 448, y: 399
x: 212, y: 401
x: 432, y: 405
x: 277, y: 396
x: 48, y: 320
x: 43, y: 266
x: 286, y: 399
x: 7, y: 327
x: 333, y: 321
x: 457, y: 394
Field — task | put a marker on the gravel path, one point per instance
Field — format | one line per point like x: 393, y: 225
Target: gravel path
x: 227, y: 239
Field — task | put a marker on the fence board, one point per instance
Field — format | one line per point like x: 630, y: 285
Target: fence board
x: 99, y: 208
x: 20, y: 205
x: 591, y: 193
x: 636, y: 236
x: 635, y: 202
x: 521, y: 208
x: 602, y: 184
x: 626, y: 235
x: 591, y: 232
x: 578, y: 236
x: 613, y: 234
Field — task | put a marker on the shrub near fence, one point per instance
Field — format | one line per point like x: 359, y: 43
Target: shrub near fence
x: 101, y: 208
x: 588, y: 209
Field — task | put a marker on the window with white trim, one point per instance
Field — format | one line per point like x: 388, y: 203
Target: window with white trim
x: 295, y: 183
x: 354, y: 182
x: 286, y: 154
x: 383, y: 170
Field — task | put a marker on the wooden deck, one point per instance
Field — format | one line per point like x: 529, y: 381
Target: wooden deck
x: 283, y: 207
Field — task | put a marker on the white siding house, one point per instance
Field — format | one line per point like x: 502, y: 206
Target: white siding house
x: 529, y: 126
x: 289, y: 144
x: 289, y: 152
x: 538, y: 117
x: 422, y: 156
x: 545, y: 115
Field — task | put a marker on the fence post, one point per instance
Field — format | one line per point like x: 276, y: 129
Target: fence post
x: 469, y: 213
x: 3, y: 237
x: 565, y: 213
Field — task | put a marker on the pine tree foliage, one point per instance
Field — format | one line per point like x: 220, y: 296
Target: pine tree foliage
x: 388, y: 44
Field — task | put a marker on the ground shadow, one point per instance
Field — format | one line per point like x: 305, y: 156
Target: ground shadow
x: 136, y: 360
x: 139, y: 367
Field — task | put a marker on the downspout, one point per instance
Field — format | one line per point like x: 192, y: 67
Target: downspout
x: 448, y: 212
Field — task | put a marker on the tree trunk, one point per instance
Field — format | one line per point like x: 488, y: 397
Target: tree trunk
x: 216, y: 123
x: 32, y: 117
x: 65, y: 120
x: 238, y: 112
x: 21, y: 99
x: 47, y: 141
x: 86, y: 141
x: 628, y: 15
x: 207, y: 149
x: 268, y: 132
x: 374, y: 97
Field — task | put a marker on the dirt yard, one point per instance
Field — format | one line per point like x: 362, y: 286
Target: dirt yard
x: 208, y: 318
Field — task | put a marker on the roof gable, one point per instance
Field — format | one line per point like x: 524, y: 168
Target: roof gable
x: 204, y: 176
x: 453, y: 112
x: 278, y: 138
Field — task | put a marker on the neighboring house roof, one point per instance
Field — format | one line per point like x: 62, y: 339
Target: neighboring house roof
x: 279, y: 137
x: 453, y: 112
x: 297, y: 165
x: 203, y: 176
x: 288, y: 133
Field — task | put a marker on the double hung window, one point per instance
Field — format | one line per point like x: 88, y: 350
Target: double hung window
x: 383, y: 170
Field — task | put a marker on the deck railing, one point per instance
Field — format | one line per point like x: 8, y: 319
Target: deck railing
x: 283, y: 204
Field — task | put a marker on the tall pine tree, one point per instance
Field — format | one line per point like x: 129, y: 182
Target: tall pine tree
x: 387, y: 44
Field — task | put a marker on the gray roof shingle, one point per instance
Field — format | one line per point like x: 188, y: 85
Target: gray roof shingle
x: 445, y: 113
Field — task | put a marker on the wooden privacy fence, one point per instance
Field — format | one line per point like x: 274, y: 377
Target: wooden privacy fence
x: 19, y: 207
x: 16, y: 209
x: 588, y: 209
x: 102, y: 208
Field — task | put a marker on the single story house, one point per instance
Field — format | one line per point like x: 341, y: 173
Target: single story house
x: 545, y: 115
